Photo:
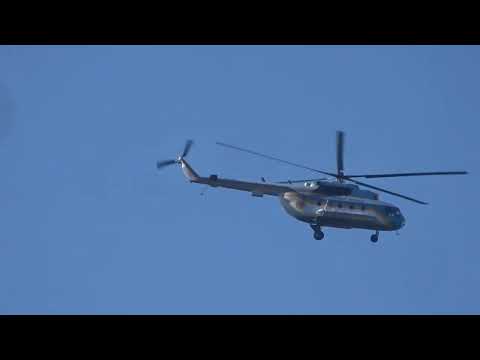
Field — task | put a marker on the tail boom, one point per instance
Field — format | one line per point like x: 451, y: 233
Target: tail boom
x: 257, y: 189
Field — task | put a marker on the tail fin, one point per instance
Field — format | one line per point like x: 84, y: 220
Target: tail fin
x: 188, y: 171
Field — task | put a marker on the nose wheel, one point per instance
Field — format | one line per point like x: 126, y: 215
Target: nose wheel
x: 374, y: 237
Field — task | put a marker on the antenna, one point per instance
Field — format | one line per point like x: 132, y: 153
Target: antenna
x: 204, y: 190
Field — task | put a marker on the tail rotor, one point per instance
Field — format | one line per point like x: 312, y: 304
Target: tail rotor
x: 164, y: 163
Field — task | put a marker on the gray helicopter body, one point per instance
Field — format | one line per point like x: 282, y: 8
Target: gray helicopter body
x: 342, y: 211
x: 318, y: 202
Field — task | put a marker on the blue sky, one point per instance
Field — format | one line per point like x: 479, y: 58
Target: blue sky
x: 89, y: 226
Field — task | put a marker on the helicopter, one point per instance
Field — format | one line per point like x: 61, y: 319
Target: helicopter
x: 337, y: 202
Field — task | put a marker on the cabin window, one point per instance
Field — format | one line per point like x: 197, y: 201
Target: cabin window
x: 363, y: 207
x: 352, y: 207
x: 340, y: 206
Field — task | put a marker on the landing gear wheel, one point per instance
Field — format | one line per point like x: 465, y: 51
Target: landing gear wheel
x: 374, y: 238
x: 318, y: 235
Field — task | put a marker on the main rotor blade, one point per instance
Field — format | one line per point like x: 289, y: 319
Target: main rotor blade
x: 276, y: 159
x: 385, y: 191
x: 323, y: 172
x: 186, y: 150
x: 162, y: 164
x: 340, y: 148
x: 371, y: 176
x: 298, y: 181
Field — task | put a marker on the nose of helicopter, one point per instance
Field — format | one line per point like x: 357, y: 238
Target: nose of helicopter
x: 400, y: 221
x: 397, y: 222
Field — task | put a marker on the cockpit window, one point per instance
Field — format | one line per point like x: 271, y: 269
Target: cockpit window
x: 392, y: 211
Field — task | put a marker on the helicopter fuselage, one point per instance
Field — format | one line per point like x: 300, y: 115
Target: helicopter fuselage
x: 342, y: 211
x: 318, y: 202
